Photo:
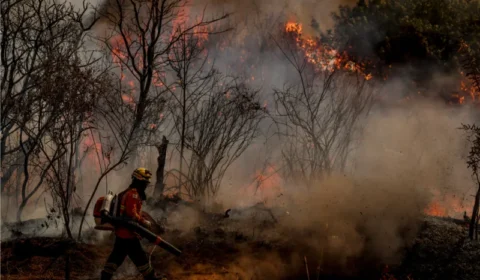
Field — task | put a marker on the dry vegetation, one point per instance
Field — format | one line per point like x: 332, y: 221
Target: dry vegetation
x: 356, y: 132
x: 216, y: 250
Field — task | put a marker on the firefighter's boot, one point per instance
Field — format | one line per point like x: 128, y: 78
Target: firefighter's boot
x: 108, y: 271
x: 153, y: 276
x: 105, y: 276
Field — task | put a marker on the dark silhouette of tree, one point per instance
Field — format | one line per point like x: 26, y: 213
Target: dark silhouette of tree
x: 473, y: 162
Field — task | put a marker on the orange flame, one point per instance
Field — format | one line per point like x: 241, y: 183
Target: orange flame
x: 267, y: 184
x: 435, y: 209
x: 128, y: 99
x: 467, y: 89
x: 448, y: 205
x: 96, y: 149
x: 293, y: 27
x: 323, y: 57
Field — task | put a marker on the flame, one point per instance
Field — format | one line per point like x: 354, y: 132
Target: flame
x: 293, y: 27
x: 467, y: 89
x: 448, y: 205
x: 328, y: 59
x: 128, y: 99
x: 157, y: 79
x: 118, y: 55
x: 387, y: 275
x: 267, y: 184
x: 322, y: 56
x: 435, y: 209
x: 94, y: 149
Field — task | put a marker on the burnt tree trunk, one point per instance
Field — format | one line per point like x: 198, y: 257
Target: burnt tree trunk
x: 476, y: 229
x: 473, y: 221
x: 162, y: 155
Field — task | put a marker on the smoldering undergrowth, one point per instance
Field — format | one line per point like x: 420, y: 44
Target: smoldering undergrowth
x: 373, y: 212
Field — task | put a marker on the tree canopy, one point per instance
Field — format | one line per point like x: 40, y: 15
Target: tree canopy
x: 441, y: 34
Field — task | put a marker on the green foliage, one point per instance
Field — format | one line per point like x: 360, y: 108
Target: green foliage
x: 473, y: 162
x: 473, y: 159
x: 398, y: 32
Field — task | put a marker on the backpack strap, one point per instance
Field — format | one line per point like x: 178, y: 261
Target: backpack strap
x: 123, y: 198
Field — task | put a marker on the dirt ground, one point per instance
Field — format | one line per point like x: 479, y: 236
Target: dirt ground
x: 440, y: 250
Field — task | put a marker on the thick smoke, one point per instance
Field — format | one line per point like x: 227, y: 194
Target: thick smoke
x: 409, y: 153
x: 313, y: 14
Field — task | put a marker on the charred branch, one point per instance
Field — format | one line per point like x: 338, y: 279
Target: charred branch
x: 162, y: 155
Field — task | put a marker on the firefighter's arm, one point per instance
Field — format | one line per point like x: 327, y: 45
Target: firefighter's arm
x: 145, y: 222
x: 133, y: 207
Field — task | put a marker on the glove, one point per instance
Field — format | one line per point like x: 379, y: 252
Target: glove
x: 147, y: 224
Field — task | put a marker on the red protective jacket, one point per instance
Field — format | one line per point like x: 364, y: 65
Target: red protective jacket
x: 130, y: 206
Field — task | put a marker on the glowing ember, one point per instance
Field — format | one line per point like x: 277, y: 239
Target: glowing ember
x: 118, y: 55
x: 157, y: 79
x: 293, y: 27
x: 467, y: 89
x: 267, y: 184
x: 127, y: 99
x: 435, y: 209
x: 94, y: 149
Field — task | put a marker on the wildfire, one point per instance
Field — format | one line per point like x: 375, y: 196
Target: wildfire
x: 447, y: 206
x: 467, y: 89
x: 267, y: 184
x: 435, y: 209
x: 118, y: 55
x: 327, y: 59
x: 459, y: 99
x: 128, y: 99
x: 293, y: 27
x: 93, y: 149
x: 322, y: 56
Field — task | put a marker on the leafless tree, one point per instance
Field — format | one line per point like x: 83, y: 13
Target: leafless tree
x: 113, y: 141
x: 214, y: 117
x: 223, y: 126
x: 36, y: 37
x: 188, y: 62
x: 139, y: 35
x: 317, y: 112
x: 74, y: 92
x: 50, y: 89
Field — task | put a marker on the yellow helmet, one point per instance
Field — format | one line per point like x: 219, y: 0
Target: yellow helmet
x: 142, y: 174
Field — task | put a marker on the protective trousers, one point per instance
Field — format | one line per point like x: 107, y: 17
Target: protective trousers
x: 132, y: 248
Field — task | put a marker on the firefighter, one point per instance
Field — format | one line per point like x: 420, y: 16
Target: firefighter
x: 127, y: 242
